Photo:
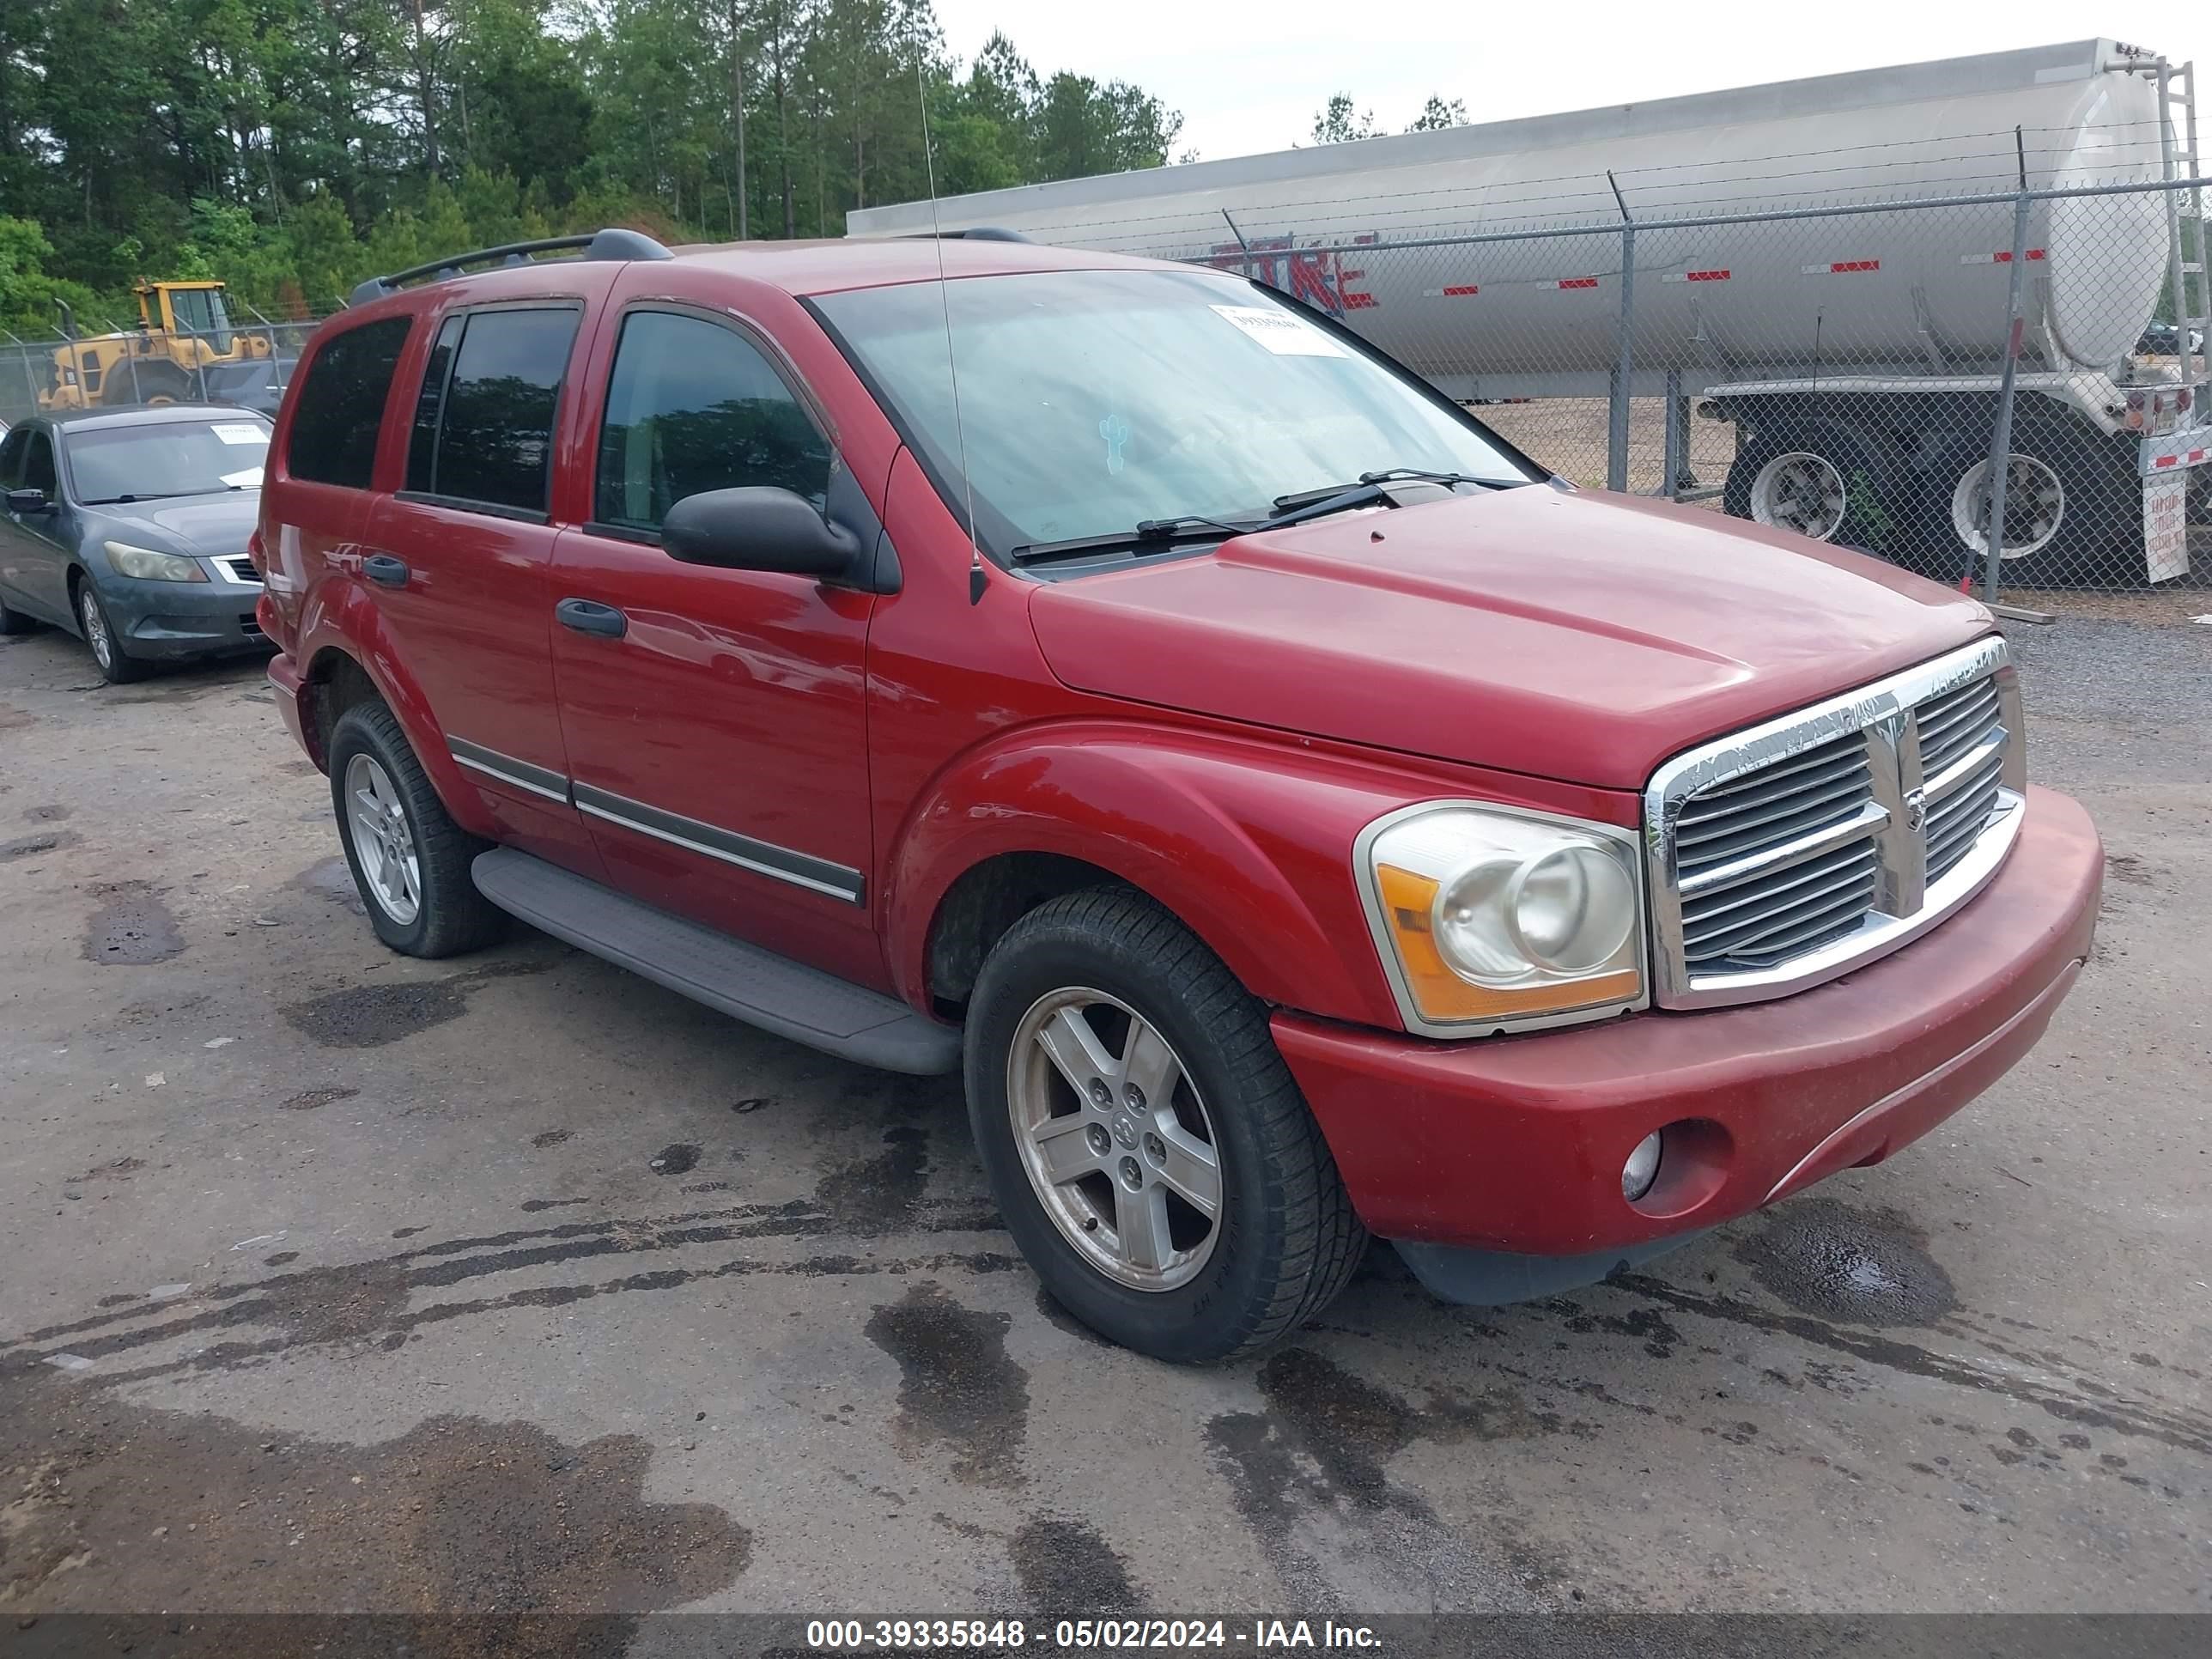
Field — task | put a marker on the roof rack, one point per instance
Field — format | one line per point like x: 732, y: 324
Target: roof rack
x: 973, y: 234
x: 611, y: 244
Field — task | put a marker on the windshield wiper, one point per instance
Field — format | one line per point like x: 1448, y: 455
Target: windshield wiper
x: 159, y: 495
x: 1370, y: 488
x: 1146, y: 532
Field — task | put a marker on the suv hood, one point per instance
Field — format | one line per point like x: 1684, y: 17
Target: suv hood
x: 1581, y: 637
x: 184, y: 524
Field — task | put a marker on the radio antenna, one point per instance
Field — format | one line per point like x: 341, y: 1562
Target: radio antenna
x: 977, y: 581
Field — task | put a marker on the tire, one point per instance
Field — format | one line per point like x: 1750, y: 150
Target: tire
x: 2081, y: 525
x: 156, y: 384
x: 1851, y: 489
x: 422, y: 901
x: 1283, y: 1238
x: 116, y: 667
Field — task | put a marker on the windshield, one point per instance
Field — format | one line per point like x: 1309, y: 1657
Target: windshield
x: 175, y: 458
x: 1092, y: 400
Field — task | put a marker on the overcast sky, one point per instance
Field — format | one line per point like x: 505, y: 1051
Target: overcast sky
x: 1249, y: 77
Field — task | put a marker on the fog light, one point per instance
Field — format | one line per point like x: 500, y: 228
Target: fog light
x: 1642, y: 1168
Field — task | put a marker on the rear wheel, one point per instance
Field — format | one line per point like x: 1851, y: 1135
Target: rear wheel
x: 409, y: 857
x: 1151, y: 1153
x: 2071, y: 515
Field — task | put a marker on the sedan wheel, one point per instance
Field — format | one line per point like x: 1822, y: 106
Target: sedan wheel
x: 108, y: 654
x: 383, y: 840
x: 1114, y: 1139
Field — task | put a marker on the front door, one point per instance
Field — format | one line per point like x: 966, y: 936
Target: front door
x: 34, y: 560
x: 715, y: 720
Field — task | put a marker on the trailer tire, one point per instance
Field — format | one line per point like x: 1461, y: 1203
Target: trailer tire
x: 2077, y: 524
x: 1828, y: 481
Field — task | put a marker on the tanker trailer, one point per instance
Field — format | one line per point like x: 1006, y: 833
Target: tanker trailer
x: 1857, y: 354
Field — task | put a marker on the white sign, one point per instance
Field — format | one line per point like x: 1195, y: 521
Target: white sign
x: 1285, y: 335
x: 240, y: 432
x: 2165, y: 525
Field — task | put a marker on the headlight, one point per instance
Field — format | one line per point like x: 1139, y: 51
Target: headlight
x: 1488, y: 917
x: 150, y: 566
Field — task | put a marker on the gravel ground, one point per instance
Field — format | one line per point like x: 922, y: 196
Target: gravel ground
x: 340, y: 1280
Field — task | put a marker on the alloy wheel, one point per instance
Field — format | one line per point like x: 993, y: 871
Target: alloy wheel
x: 383, y: 840
x: 95, y: 627
x: 1115, y: 1138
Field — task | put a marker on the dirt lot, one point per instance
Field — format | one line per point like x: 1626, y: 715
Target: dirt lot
x: 339, y: 1280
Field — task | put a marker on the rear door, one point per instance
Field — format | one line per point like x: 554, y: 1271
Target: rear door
x: 456, y: 560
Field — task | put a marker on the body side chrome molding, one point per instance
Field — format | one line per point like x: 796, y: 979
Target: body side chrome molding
x: 761, y: 857
x: 521, y: 775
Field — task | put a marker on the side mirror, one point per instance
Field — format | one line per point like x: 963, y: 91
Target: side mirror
x: 758, y: 529
x: 27, y: 500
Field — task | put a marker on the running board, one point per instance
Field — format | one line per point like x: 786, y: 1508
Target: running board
x: 740, y: 979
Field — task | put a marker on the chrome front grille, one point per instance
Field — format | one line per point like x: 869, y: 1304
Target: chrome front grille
x: 242, y: 568
x: 1784, y: 855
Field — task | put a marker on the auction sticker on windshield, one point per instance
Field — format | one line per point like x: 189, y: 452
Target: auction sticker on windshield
x: 240, y: 432
x: 1281, y: 332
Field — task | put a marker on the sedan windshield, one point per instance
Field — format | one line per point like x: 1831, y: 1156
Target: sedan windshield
x: 1093, y: 401
x: 172, y: 458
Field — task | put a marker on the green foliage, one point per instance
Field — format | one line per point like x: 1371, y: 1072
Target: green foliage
x: 1439, y: 113
x: 290, y: 148
x: 1338, y: 124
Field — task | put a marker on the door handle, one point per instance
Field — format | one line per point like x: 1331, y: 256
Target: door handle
x: 384, y: 570
x: 590, y: 617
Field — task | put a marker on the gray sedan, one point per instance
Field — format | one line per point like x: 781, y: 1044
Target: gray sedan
x: 128, y: 527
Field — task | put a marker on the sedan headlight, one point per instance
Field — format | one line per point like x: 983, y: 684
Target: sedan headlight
x: 149, y: 565
x: 1489, y: 917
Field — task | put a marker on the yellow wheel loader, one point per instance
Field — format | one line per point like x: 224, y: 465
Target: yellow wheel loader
x: 183, y: 350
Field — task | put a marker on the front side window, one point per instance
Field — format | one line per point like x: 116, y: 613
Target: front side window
x: 1092, y: 400
x: 200, y: 311
x: 491, y: 428
x: 171, y: 458
x: 11, y: 457
x: 693, y: 406
x: 334, y: 424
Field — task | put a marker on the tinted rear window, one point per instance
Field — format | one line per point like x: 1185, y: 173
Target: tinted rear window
x: 494, y: 424
x: 334, y: 424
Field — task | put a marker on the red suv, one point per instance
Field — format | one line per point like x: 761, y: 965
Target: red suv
x: 1301, y: 816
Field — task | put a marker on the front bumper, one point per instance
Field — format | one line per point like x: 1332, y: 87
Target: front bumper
x: 1514, y: 1146
x: 182, y: 619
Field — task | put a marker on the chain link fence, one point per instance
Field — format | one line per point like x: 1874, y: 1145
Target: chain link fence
x: 1849, y: 372
x: 102, y: 364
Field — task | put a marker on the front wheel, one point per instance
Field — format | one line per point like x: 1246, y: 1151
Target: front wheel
x: 409, y: 857
x: 1149, y: 1150
x: 100, y: 638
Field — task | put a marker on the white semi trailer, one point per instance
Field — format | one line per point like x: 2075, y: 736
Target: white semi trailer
x: 1858, y: 355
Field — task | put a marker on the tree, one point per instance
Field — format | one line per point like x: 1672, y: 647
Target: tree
x: 1437, y: 114
x: 292, y: 147
x: 1337, y: 124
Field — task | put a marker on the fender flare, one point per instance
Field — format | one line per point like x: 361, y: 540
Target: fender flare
x: 1248, y: 844
x: 342, y: 619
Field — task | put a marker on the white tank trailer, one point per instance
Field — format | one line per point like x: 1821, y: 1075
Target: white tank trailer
x: 1858, y: 356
